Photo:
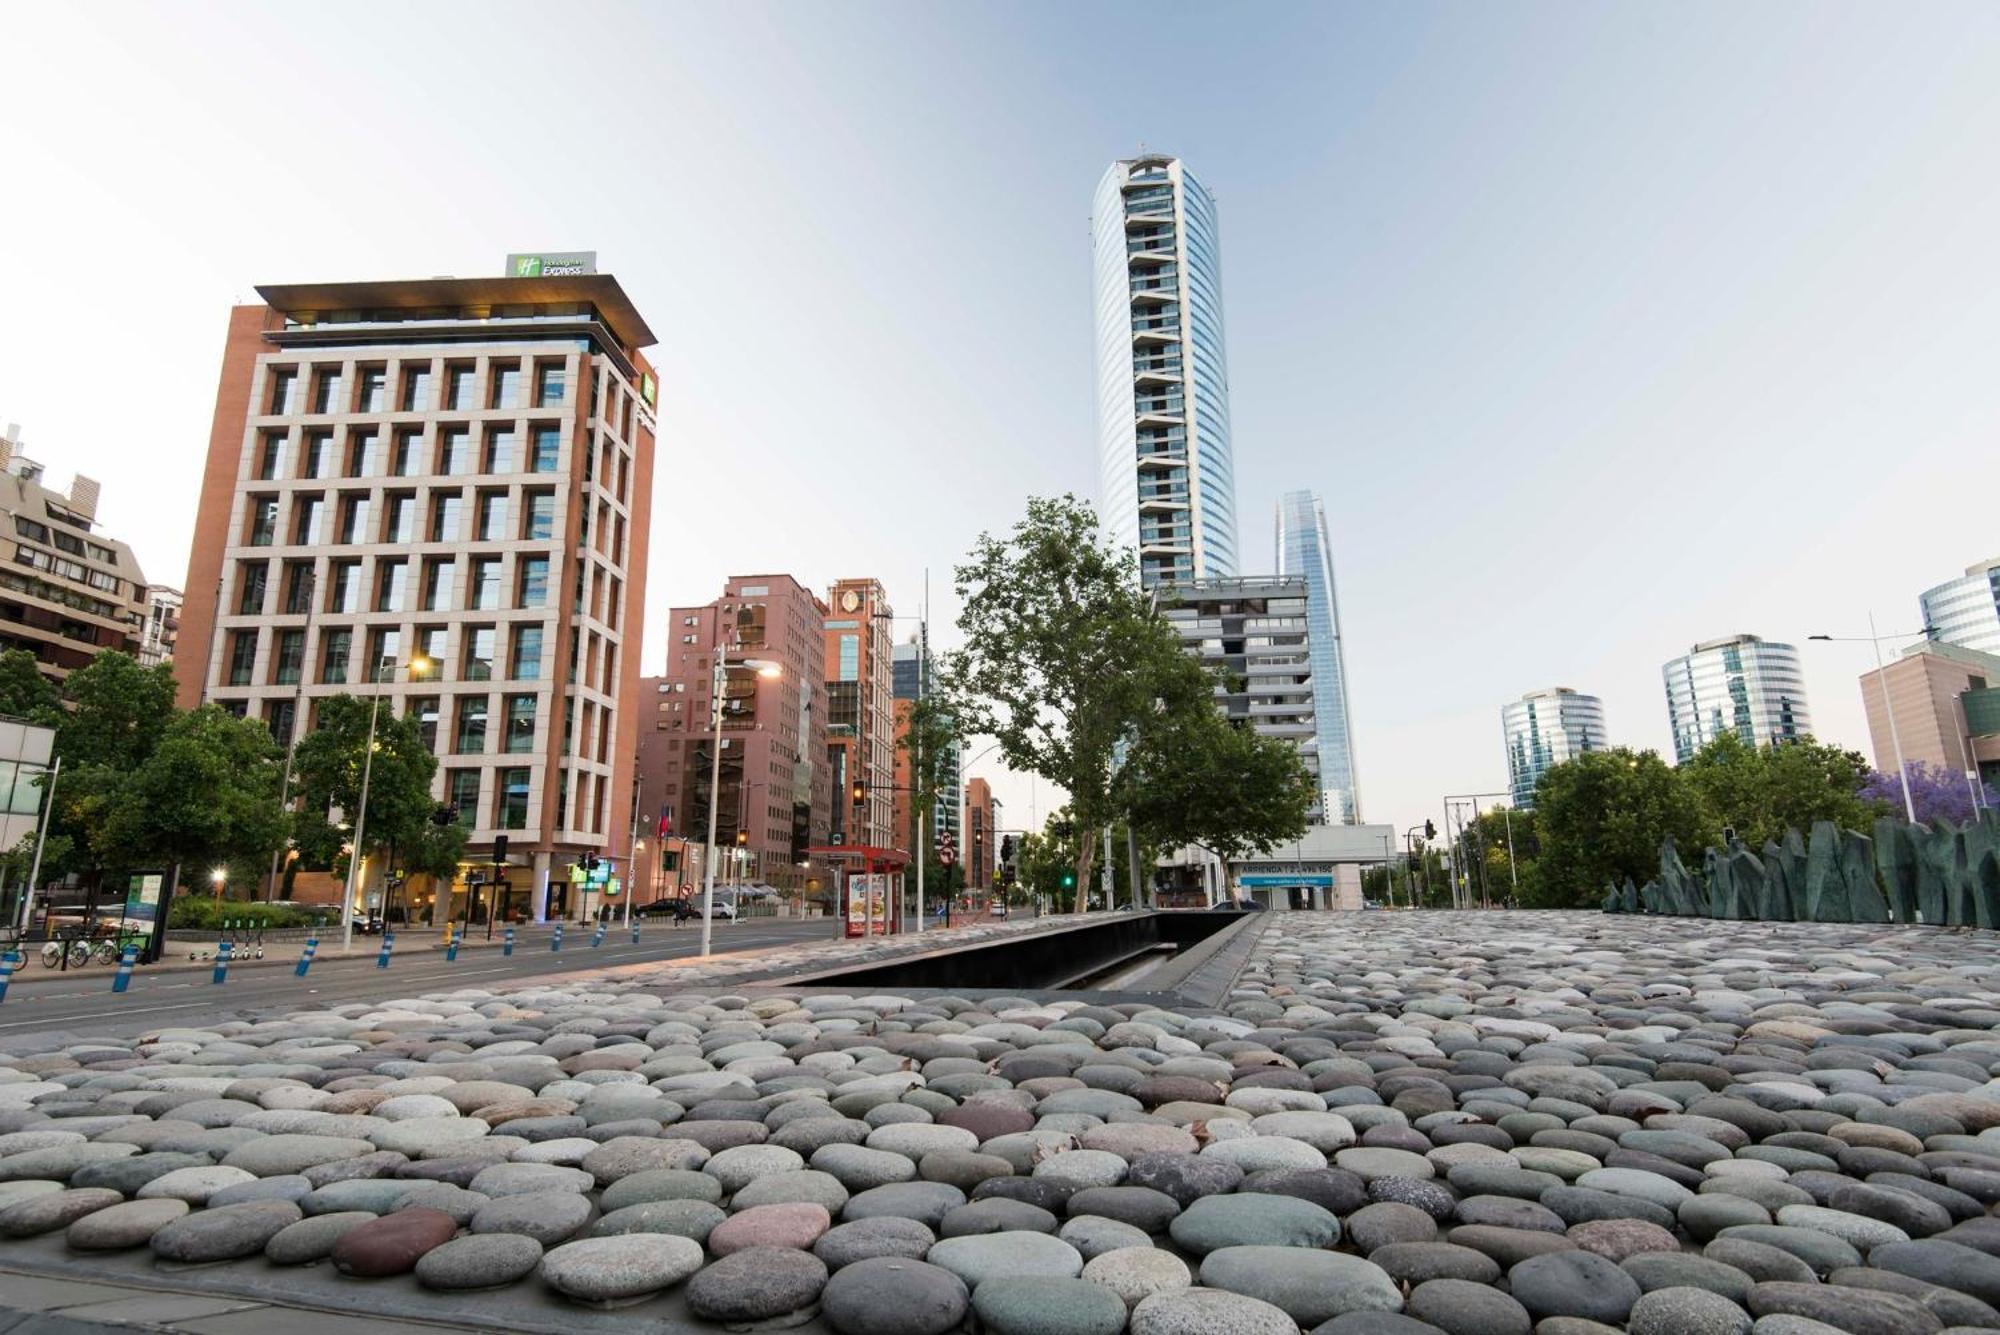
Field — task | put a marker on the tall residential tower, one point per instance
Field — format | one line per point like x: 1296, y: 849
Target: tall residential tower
x: 1303, y: 551
x: 1166, y: 473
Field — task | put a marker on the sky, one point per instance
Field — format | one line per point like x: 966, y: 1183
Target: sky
x: 1601, y: 329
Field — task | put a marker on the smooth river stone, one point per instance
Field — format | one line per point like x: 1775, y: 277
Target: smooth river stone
x: 758, y: 1284
x: 793, y: 1224
x: 1310, y: 1285
x: 869, y: 1239
x: 615, y: 1271
x: 1137, y: 1273
x: 53, y: 1210
x: 130, y: 1224
x: 889, y: 1295
x: 313, y: 1238
x: 223, y: 1233
x: 483, y: 1261
x: 1253, y: 1219
x: 392, y: 1244
x: 687, y: 1218
x: 1209, y: 1312
x: 1022, y: 1305
x: 549, y: 1217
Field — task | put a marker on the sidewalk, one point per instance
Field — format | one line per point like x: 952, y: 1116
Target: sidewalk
x: 42, y: 1304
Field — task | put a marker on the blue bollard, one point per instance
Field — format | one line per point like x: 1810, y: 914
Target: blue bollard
x: 221, y: 974
x: 508, y: 947
x: 306, y: 955
x: 8, y: 963
x: 122, y: 980
x: 555, y: 942
x: 598, y: 940
x: 388, y: 944
x: 450, y: 944
x: 635, y: 933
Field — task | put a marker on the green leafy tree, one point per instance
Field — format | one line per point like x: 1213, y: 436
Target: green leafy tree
x: 207, y: 793
x: 25, y: 693
x: 1761, y: 791
x: 118, y: 712
x: 327, y: 771
x: 927, y: 737
x: 1505, y: 849
x: 1602, y: 817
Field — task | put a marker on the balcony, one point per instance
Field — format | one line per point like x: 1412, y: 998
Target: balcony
x: 1159, y: 243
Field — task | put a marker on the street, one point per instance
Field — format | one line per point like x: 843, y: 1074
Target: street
x: 43, y: 1002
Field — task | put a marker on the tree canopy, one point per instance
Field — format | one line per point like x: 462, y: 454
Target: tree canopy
x: 1601, y: 818
x: 328, y: 764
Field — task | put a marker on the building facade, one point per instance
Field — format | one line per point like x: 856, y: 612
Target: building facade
x: 1167, y: 478
x: 861, y: 713
x: 1740, y: 684
x: 1946, y: 700
x: 1966, y: 610
x: 1256, y: 632
x: 981, y: 849
x: 1542, y: 729
x: 776, y: 795
x: 70, y: 592
x: 162, y: 630
x: 907, y: 686
x: 440, y: 490
x: 1303, y: 550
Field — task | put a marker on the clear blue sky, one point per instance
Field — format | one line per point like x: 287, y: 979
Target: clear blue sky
x: 1601, y: 328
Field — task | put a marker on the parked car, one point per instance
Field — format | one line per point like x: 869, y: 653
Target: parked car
x: 691, y: 908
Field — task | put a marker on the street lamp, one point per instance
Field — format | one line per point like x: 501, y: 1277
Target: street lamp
x: 723, y: 664
x: 417, y: 666
x: 220, y: 876
x: 1888, y: 707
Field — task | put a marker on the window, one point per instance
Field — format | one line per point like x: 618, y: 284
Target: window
x: 364, y: 454
x: 469, y: 735
x: 282, y: 716
x: 334, y: 648
x: 850, y: 658
x: 506, y: 385
x: 458, y: 388
x: 462, y: 793
x: 526, y: 664
x: 538, y: 517
x: 551, y: 381
x: 409, y: 453
x: 430, y: 643
x: 326, y: 392
x: 251, y: 578
x: 384, y: 648
x: 284, y: 390
x: 424, y: 709
x: 291, y: 657
x: 298, y: 587
x: 343, y: 592
x: 392, y: 580
x: 479, y: 644
x: 533, y: 582
x: 437, y: 585
x: 492, y: 516
x: 520, y: 738
x: 399, y: 517
x: 455, y: 452
x: 483, y: 590
x: 447, y: 516
x: 374, y: 390
x: 416, y: 388
x: 354, y: 519
x: 242, y: 656
x: 547, y: 450
x: 317, y: 458
x: 271, y: 456
x: 499, y: 450
x: 307, y: 529
x: 511, y: 800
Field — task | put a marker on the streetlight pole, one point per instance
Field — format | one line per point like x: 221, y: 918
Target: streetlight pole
x: 1889, y: 708
x: 716, y: 687
x: 417, y: 666
x: 632, y: 850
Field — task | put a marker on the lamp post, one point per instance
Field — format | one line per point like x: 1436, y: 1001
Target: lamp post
x: 418, y: 666
x: 1888, y: 706
x: 762, y: 668
x: 221, y: 877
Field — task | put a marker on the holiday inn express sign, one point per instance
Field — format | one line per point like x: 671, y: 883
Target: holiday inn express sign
x: 552, y: 264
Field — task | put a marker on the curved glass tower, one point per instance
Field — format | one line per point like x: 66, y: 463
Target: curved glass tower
x: 1740, y: 684
x: 1966, y: 610
x: 1545, y: 728
x: 1303, y: 551
x: 1167, y: 478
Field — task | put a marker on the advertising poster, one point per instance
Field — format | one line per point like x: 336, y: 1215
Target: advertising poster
x: 857, y: 903
x: 142, y: 902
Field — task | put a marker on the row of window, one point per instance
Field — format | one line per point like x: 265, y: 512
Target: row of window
x: 400, y: 514
x: 456, y: 453
x: 68, y: 569
x: 486, y: 588
x: 287, y: 390
x: 479, y: 647
x: 64, y: 541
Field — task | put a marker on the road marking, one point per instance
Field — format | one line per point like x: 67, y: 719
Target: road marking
x: 98, y: 1015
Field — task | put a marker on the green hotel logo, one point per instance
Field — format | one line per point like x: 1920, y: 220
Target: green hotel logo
x: 551, y: 263
x: 528, y: 266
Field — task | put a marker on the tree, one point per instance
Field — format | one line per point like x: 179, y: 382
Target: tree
x: 208, y: 792
x: 1936, y: 792
x: 25, y: 693
x: 118, y: 712
x: 1062, y: 657
x: 927, y: 737
x: 1506, y: 848
x: 1602, y: 817
x: 328, y: 762
x: 1762, y: 791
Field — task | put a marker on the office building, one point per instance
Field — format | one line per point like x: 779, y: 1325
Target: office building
x: 162, y: 629
x: 861, y: 715
x: 906, y: 683
x: 776, y: 797
x: 1966, y: 610
x: 1946, y: 699
x: 1166, y: 472
x: 1542, y: 729
x: 70, y: 592
x: 440, y: 490
x: 981, y: 850
x: 1303, y: 550
x: 1740, y: 684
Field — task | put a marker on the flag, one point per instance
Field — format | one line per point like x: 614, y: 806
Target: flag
x: 666, y: 826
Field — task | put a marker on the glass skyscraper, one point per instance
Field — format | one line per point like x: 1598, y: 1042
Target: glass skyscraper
x: 1166, y: 474
x: 1741, y: 684
x: 1545, y: 728
x: 1966, y: 611
x: 1303, y: 551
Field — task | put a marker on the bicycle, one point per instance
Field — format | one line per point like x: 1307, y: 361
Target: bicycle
x: 65, y: 943
x: 111, y: 946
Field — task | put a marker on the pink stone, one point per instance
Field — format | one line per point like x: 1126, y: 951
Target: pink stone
x: 795, y: 1224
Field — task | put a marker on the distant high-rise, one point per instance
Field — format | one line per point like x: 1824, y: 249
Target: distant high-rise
x: 1166, y: 472
x: 1966, y: 611
x: 1303, y: 550
x: 1545, y: 728
x: 1740, y: 684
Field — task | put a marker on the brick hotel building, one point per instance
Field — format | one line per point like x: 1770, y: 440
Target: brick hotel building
x: 457, y: 468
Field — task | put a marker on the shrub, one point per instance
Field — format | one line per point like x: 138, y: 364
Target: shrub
x: 202, y: 913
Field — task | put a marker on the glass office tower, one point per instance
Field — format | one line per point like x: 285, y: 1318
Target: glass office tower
x: 1303, y: 551
x: 1545, y: 728
x: 1741, y: 684
x: 1966, y: 611
x: 1166, y: 474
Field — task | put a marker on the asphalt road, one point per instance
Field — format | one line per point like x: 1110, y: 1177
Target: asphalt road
x: 42, y: 1002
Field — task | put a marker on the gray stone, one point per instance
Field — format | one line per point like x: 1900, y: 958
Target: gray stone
x: 312, y: 1239
x: 1209, y: 1312
x: 549, y: 1217
x: 983, y: 1256
x: 891, y: 1295
x: 50, y: 1211
x: 1686, y: 1311
x: 1021, y: 1305
x: 479, y: 1261
x: 130, y: 1224
x: 661, y: 1184
x: 1573, y: 1283
x: 1308, y: 1284
x: 620, y: 1270
x: 225, y: 1233
x: 1249, y: 1219
x: 1465, y: 1307
x: 757, y: 1284
x: 866, y: 1239
x: 925, y: 1202
x: 689, y: 1219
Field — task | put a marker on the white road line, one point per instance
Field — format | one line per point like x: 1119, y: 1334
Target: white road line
x: 96, y: 1015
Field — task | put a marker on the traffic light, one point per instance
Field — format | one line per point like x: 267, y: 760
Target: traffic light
x: 742, y: 838
x: 1430, y: 829
x: 860, y: 792
x: 1069, y: 880
x: 1007, y: 848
